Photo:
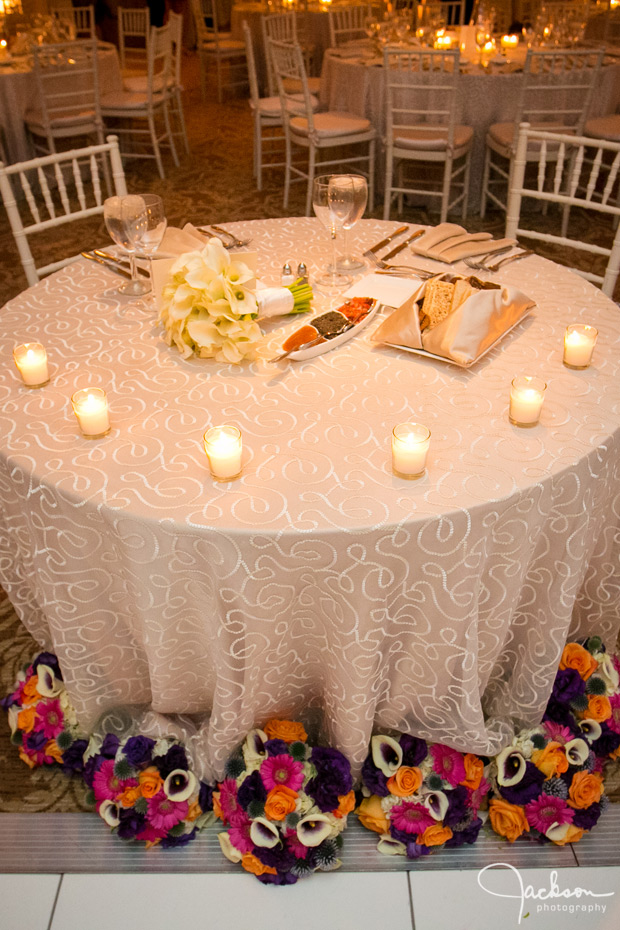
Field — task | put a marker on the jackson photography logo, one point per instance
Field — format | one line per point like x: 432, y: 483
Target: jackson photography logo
x: 530, y: 901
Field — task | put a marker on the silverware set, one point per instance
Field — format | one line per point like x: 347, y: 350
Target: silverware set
x: 119, y: 266
x: 228, y: 240
x: 482, y: 266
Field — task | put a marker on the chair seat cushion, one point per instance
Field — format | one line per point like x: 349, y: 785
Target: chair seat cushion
x: 503, y: 133
x: 139, y: 83
x: 604, y: 127
x: 332, y: 124
x: 291, y: 85
x: 127, y: 100
x: 434, y: 138
x: 271, y: 106
x: 225, y: 45
x: 34, y: 121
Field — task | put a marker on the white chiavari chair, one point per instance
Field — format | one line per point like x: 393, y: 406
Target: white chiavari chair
x: 316, y: 133
x: 57, y: 189
x: 347, y: 23
x: 576, y: 175
x: 442, y: 13
x: 134, y: 26
x: 80, y: 18
x: 217, y: 46
x: 283, y: 27
x: 421, y: 93
x: 150, y: 106
x: 556, y: 93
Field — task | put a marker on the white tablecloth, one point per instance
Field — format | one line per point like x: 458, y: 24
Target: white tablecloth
x: 317, y: 582
x: 350, y: 86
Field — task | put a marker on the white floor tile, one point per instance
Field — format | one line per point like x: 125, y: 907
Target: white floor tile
x: 332, y: 901
x: 457, y: 900
x: 26, y: 901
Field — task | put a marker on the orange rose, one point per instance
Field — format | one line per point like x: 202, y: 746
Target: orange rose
x: 598, y: 709
x: 573, y: 835
x: 151, y: 782
x: 508, y: 820
x: 252, y: 863
x: 26, y: 719
x: 194, y: 812
x: 30, y: 691
x: 435, y: 835
x: 405, y: 781
x: 585, y: 789
x: 346, y: 803
x: 371, y: 815
x: 474, y: 770
x: 217, y: 808
x: 23, y: 755
x: 130, y: 795
x: 615, y: 754
x: 575, y: 656
x: 280, y: 802
x: 51, y: 749
x: 551, y: 760
x: 288, y: 730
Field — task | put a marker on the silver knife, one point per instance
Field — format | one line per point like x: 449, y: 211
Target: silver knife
x: 387, y: 240
x: 404, y: 244
x: 123, y: 262
x: 101, y: 261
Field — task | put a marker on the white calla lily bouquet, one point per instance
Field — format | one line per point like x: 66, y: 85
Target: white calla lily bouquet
x: 210, y: 305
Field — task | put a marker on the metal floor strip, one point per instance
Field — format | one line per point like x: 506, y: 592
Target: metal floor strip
x: 78, y: 843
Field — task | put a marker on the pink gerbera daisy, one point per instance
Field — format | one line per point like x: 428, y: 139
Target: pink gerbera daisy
x: 163, y: 813
x: 448, y: 763
x: 546, y: 811
x: 240, y: 835
x: 232, y: 812
x: 411, y: 817
x: 478, y: 796
x: 51, y: 717
x: 295, y: 845
x: 106, y: 784
x: 614, y: 721
x: 150, y: 834
x: 282, y: 770
x: 555, y: 731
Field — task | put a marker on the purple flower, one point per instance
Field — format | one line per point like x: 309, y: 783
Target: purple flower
x: 333, y: 777
x: 49, y: 659
x: 286, y: 878
x: 374, y: 779
x: 457, y: 806
x: 279, y: 857
x: 91, y: 767
x: 251, y: 789
x: 35, y: 741
x: 607, y: 742
x: 72, y: 758
x: 9, y: 701
x: 130, y: 824
x: 109, y: 746
x: 468, y: 835
x: 414, y: 850
x: 138, y: 750
x: 568, y: 685
x: 276, y: 747
x: 527, y: 789
x: 586, y: 817
x: 205, y: 797
x: 175, y: 758
x: 170, y: 841
x: 414, y: 750
x: 560, y: 713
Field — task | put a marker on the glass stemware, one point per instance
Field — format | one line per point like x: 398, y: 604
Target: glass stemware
x: 332, y: 204
x: 119, y: 213
x: 146, y: 231
x: 347, y: 263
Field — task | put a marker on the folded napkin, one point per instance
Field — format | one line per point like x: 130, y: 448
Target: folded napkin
x: 449, y: 243
x: 178, y: 241
x: 390, y: 290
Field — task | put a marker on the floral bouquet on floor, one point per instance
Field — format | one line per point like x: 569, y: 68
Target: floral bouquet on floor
x: 421, y: 797
x: 210, y: 305
x: 145, y: 791
x: 547, y: 785
x: 285, y: 804
x: 586, y: 696
x: 42, y: 719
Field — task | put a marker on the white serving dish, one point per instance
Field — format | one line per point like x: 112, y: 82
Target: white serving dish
x: 329, y: 344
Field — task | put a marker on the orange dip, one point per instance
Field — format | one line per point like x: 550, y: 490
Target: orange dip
x: 299, y: 337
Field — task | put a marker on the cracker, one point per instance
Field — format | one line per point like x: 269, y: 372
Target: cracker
x: 438, y: 301
x: 462, y: 290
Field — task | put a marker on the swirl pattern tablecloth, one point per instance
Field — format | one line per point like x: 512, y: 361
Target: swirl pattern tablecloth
x: 317, y: 583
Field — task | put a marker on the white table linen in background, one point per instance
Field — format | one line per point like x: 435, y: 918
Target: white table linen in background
x: 352, y: 86
x: 318, y: 582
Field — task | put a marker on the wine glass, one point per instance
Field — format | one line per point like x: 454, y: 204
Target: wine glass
x: 332, y: 205
x: 347, y: 263
x: 118, y: 214
x: 146, y: 231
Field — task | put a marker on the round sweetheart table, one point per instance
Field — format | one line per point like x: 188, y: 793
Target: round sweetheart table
x: 318, y: 583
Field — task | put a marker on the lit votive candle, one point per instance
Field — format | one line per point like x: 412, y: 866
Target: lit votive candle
x: 579, y: 342
x: 510, y: 41
x: 443, y: 41
x: 223, y: 446
x: 90, y: 406
x: 526, y: 400
x: 31, y: 361
x: 410, y: 443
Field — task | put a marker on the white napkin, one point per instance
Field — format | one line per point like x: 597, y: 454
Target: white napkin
x: 449, y: 243
x: 178, y: 241
x: 388, y: 289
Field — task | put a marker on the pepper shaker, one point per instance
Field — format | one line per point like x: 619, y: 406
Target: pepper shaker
x: 302, y: 273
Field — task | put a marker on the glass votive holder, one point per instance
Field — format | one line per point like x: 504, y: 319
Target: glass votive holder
x: 90, y: 406
x: 410, y: 444
x: 223, y: 446
x: 526, y: 400
x: 31, y: 361
x: 579, y: 342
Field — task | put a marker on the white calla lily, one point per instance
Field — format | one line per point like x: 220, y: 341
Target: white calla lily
x: 108, y: 811
x: 391, y: 847
x: 254, y: 746
x: 231, y: 852
x: 436, y: 803
x: 180, y: 785
x: 264, y: 833
x: 387, y: 754
x: 577, y: 751
x: 313, y: 829
x: 47, y: 683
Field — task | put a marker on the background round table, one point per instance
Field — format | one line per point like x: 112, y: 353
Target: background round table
x: 317, y: 583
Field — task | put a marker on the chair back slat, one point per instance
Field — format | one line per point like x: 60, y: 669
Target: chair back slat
x: 594, y: 174
x: 47, y: 197
x: 94, y: 174
x: 347, y: 23
x: 559, y: 168
x: 249, y: 53
x: 77, y: 180
x: 25, y: 183
x: 611, y: 180
x: 542, y: 166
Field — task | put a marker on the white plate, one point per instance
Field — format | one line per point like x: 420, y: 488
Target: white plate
x: 330, y: 344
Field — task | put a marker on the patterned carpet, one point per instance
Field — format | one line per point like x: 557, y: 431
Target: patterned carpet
x: 212, y: 185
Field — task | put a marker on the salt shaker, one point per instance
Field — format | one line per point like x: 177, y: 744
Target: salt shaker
x: 287, y: 275
x: 302, y: 272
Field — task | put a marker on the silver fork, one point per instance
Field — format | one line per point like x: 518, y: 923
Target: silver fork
x: 399, y: 269
x: 235, y: 243
x: 504, y: 261
x: 480, y: 263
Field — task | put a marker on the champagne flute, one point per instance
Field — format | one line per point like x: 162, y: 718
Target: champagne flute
x: 347, y: 263
x: 118, y: 214
x: 332, y: 205
x: 146, y: 231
